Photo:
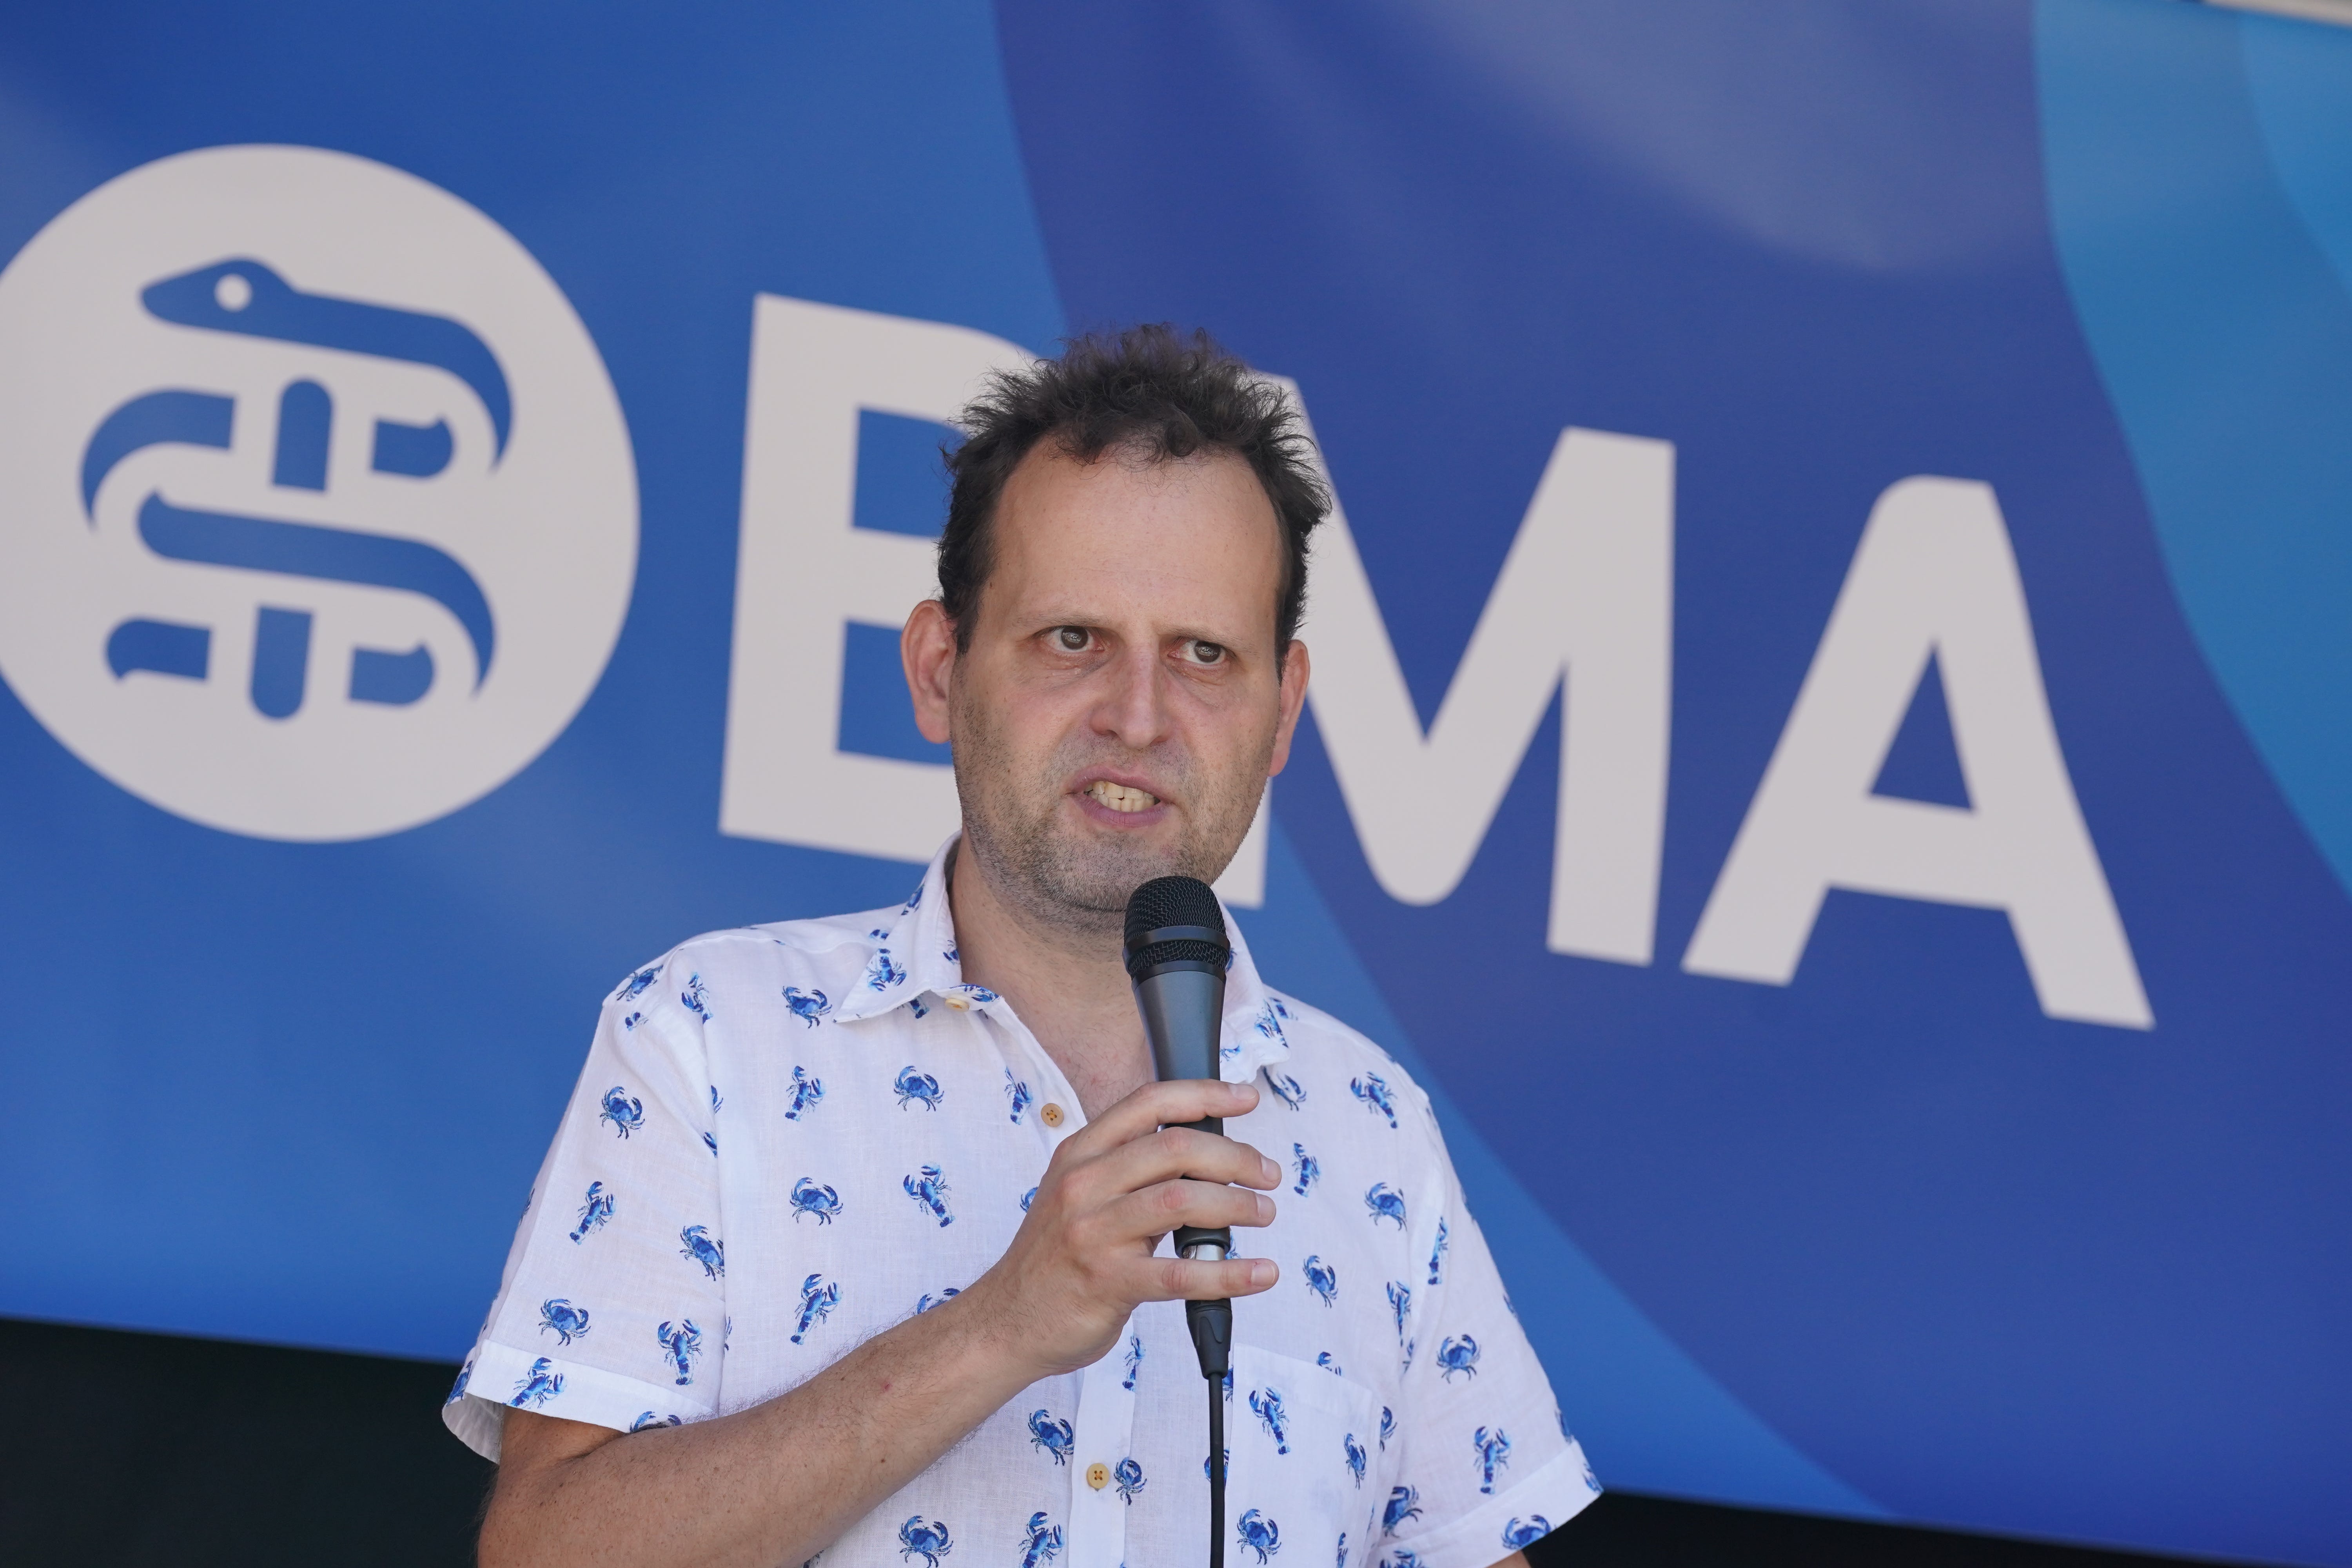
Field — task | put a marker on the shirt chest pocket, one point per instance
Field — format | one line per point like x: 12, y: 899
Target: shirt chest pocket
x: 1303, y: 1441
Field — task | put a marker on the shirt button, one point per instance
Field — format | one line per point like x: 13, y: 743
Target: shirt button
x: 1099, y: 1475
x: 1052, y: 1116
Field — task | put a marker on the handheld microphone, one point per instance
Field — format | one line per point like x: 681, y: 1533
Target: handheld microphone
x: 1177, y: 951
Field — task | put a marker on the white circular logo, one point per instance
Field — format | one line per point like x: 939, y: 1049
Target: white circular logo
x: 318, y: 518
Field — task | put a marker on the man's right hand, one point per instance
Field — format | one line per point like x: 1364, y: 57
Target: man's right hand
x: 1084, y: 1258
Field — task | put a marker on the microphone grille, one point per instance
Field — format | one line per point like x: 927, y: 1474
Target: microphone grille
x: 1167, y: 901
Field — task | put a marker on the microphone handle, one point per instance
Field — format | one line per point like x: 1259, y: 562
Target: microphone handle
x: 1210, y: 1322
x: 1189, y: 1236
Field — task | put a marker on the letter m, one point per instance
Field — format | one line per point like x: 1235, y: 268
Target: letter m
x: 1585, y: 597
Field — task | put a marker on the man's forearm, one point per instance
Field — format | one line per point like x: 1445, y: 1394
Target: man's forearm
x: 770, y: 1485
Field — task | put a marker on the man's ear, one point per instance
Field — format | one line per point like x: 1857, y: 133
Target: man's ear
x: 1294, y: 698
x: 927, y: 646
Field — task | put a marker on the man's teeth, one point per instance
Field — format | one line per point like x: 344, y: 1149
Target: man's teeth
x: 1119, y: 798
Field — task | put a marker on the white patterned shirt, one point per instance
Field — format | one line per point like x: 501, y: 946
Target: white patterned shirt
x: 790, y: 1137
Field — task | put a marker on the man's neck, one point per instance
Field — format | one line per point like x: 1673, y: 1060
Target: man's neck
x: 1066, y: 983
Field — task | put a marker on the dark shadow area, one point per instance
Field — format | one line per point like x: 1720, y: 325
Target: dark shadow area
x: 148, y: 1449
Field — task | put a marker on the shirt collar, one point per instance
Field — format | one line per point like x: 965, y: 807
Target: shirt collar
x: 915, y: 964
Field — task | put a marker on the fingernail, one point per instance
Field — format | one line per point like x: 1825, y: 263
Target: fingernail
x: 1264, y: 1208
x: 1262, y: 1272
x: 1267, y: 1170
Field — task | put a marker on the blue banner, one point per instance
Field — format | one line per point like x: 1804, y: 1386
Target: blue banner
x: 1826, y: 752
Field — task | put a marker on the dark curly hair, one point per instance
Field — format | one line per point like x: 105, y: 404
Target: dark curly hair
x: 1146, y: 391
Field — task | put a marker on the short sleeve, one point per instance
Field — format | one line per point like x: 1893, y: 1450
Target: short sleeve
x: 1482, y: 1462
x: 612, y: 1310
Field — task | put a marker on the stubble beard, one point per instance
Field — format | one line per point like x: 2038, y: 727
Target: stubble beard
x: 1059, y: 874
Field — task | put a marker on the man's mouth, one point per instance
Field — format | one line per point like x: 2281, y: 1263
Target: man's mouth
x: 1120, y: 797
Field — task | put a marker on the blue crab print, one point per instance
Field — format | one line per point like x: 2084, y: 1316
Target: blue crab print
x: 924, y: 1538
x: 1357, y: 1458
x: 1404, y: 1503
x: 951, y: 953
x: 1386, y: 1203
x: 1269, y: 1023
x: 458, y: 1389
x: 1522, y: 1533
x: 1457, y: 1355
x: 818, y: 1299
x: 1286, y: 1088
x: 1591, y: 1481
x: 1225, y: 1458
x: 1128, y: 1474
x: 1027, y: 1198
x: 1229, y: 1386
x: 1374, y: 1090
x: 1437, y: 1253
x: 1040, y: 1543
x: 634, y: 985
x: 681, y: 1343
x: 808, y: 1006
x: 930, y: 1191
x: 1322, y: 1278
x: 1410, y: 1347
x: 1400, y: 1305
x: 1492, y: 1449
x: 1268, y: 1405
x: 626, y: 1115
x: 647, y: 1420
x: 695, y: 998
x: 1309, y: 1168
x: 596, y: 1211
x: 1053, y: 1435
x: 711, y: 1141
x: 930, y: 1301
x: 963, y: 997
x: 916, y: 1088
x: 1402, y: 1558
x: 883, y: 972
x: 1387, y: 1426
x: 915, y: 898
x: 811, y: 1196
x: 567, y: 1321
x: 1342, y: 1561
x: 1325, y: 1359
x: 633, y: 1020
x: 914, y: 1006
x: 1259, y: 1534
x: 1134, y: 1362
x: 697, y: 1246
x: 1018, y: 1093
x: 716, y: 1102
x: 537, y: 1387
x: 806, y: 1092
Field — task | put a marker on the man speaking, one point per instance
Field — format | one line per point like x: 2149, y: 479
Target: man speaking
x: 854, y: 1239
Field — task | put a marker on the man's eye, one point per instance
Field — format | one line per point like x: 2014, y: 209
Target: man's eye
x: 1072, y: 639
x: 1207, y: 653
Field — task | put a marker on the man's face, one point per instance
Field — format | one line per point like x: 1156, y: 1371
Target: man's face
x: 1120, y: 705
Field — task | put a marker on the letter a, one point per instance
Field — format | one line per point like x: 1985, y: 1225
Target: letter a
x: 1934, y: 575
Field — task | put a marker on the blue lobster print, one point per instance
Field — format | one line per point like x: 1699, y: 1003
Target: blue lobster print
x: 810, y: 1196
x: 1522, y: 1533
x: 1387, y: 1426
x: 1268, y: 1405
x: 1134, y: 1362
x: 568, y: 1322
x: 818, y: 1299
x: 1437, y: 1253
x: 1027, y: 1198
x: 1128, y: 1474
x: 634, y: 985
x: 1330, y: 1363
x: 916, y: 1088
x: 537, y: 1387
x: 711, y: 1141
x: 1357, y: 1458
x: 808, y: 1006
x: 915, y: 898
x: 1309, y: 1168
x: 1286, y: 1088
x: 458, y: 1389
x: 648, y: 1419
x: 1386, y: 1203
x: 1040, y: 1543
x: 717, y: 1104
x: 1374, y: 1090
x: 1342, y: 1561
x: 698, y: 1248
x: 1492, y: 1449
x: 1322, y: 1278
x: 930, y: 1191
x: 1404, y: 1558
x: 1400, y: 1305
x: 695, y: 998
x: 930, y: 1301
x: 926, y: 1539
x: 1054, y: 1436
x: 1269, y: 1023
x: 1404, y: 1503
x: 596, y: 1211
x: 626, y: 1115
x: 963, y: 997
x: 681, y: 1342
x: 1018, y: 1093
x: 1259, y: 1534
x: 883, y: 972
x: 1225, y: 1456
x: 1457, y: 1355
x: 806, y: 1092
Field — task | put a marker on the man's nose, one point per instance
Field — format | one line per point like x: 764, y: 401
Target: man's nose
x: 1134, y: 705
